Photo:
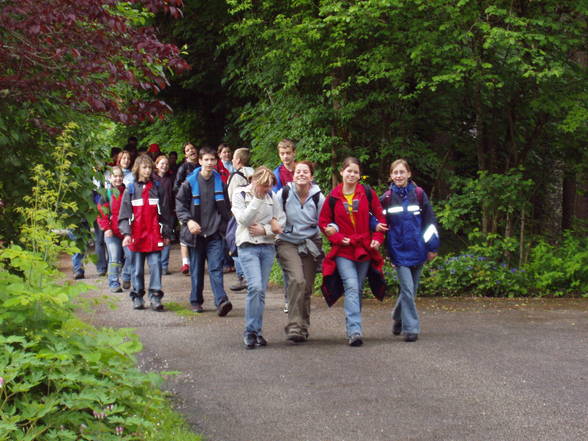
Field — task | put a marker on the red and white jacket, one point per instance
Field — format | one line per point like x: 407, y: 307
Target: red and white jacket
x: 109, y: 210
x: 145, y: 217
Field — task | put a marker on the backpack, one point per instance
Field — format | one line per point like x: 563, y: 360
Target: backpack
x: 286, y: 192
x: 236, y: 172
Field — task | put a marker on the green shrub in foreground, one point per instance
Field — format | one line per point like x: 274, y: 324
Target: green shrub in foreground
x: 62, y: 379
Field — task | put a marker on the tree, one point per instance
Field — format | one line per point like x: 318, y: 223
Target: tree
x: 87, y: 55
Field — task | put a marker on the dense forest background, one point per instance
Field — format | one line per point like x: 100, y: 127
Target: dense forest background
x: 487, y: 100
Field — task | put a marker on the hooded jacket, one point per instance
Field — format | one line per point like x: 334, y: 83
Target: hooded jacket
x: 301, y: 218
x: 109, y: 210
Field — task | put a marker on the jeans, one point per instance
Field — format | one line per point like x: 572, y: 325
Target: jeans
x: 154, y: 262
x: 115, y: 256
x: 405, y: 309
x: 127, y: 269
x: 165, y: 257
x: 99, y: 249
x: 256, y: 261
x: 352, y: 275
x: 238, y: 267
x: 213, y: 251
x: 77, y: 263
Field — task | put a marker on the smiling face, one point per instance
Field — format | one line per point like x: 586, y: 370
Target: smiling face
x: 191, y: 153
x: 302, y: 174
x: 351, y: 174
x: 162, y: 166
x: 400, y: 175
x: 116, y: 177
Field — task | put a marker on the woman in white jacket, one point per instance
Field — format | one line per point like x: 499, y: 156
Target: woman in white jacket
x: 259, y: 219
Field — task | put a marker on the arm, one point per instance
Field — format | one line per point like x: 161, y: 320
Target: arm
x: 125, y: 215
x: 245, y: 215
x: 103, y: 218
x: 325, y: 219
x: 165, y: 216
x: 377, y: 213
x: 430, y: 230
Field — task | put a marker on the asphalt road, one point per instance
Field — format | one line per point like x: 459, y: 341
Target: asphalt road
x: 483, y: 369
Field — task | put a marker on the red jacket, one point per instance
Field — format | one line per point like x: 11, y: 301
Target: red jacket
x: 225, y: 174
x: 360, y: 236
x: 109, y: 209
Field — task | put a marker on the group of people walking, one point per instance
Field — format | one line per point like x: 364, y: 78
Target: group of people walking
x: 223, y: 204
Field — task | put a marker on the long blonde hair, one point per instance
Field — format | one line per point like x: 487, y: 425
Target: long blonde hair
x: 264, y: 176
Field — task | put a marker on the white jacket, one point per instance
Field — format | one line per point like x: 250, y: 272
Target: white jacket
x: 250, y: 210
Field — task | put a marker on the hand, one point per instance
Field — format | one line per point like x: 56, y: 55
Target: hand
x: 126, y: 241
x: 166, y: 242
x: 381, y: 228
x: 108, y: 233
x: 256, y: 230
x: 329, y: 231
x: 374, y: 244
x: 276, y: 227
x: 346, y: 241
x: 194, y: 227
x: 431, y: 255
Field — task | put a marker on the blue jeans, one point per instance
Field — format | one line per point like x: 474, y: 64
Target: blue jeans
x: 212, y: 251
x: 77, y: 263
x: 238, y: 267
x: 154, y: 262
x: 99, y: 249
x: 115, y: 255
x: 256, y: 261
x: 352, y: 274
x: 127, y: 269
x: 165, y: 257
x: 405, y: 309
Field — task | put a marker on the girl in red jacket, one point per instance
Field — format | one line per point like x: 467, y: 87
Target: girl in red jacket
x: 345, y: 220
x: 108, y: 212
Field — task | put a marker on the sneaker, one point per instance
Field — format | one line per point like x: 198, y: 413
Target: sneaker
x: 240, y: 285
x: 185, y: 269
x: 156, y: 303
x: 295, y: 337
x: 397, y: 327
x: 138, y: 302
x: 286, y: 307
x: 126, y: 284
x: 79, y: 275
x: 197, y: 308
x: 224, y: 308
x: 260, y: 341
x: 355, y: 340
x: 249, y: 340
x: 411, y: 337
x: 116, y: 289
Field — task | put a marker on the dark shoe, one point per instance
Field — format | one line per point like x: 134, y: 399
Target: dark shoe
x: 355, y: 340
x: 155, y: 301
x: 240, y: 285
x: 260, y: 341
x: 197, y: 308
x: 185, y: 269
x: 116, y: 289
x: 411, y: 337
x: 165, y: 272
x: 224, y: 308
x: 79, y: 275
x: 295, y: 337
x: 126, y: 284
x: 249, y: 340
x: 138, y: 302
x: 101, y: 274
x: 397, y: 327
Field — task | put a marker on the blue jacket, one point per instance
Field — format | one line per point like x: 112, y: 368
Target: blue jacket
x: 412, y: 225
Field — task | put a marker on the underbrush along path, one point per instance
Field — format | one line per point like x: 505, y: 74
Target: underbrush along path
x: 483, y: 369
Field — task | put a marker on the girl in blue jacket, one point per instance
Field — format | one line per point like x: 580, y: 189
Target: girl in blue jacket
x: 412, y: 240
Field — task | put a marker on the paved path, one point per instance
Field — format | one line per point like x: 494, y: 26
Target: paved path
x: 482, y: 370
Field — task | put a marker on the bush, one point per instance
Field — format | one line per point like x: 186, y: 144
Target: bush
x: 60, y: 378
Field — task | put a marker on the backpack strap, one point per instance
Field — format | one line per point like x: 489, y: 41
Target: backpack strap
x: 236, y: 172
x: 316, y: 198
x: 419, y: 194
x: 368, y: 193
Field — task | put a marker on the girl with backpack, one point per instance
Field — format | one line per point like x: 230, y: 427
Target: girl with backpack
x: 299, y: 247
x: 165, y: 177
x: 412, y: 240
x: 345, y: 219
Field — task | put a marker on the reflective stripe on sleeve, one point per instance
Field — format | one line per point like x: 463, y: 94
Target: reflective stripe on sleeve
x: 430, y: 232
